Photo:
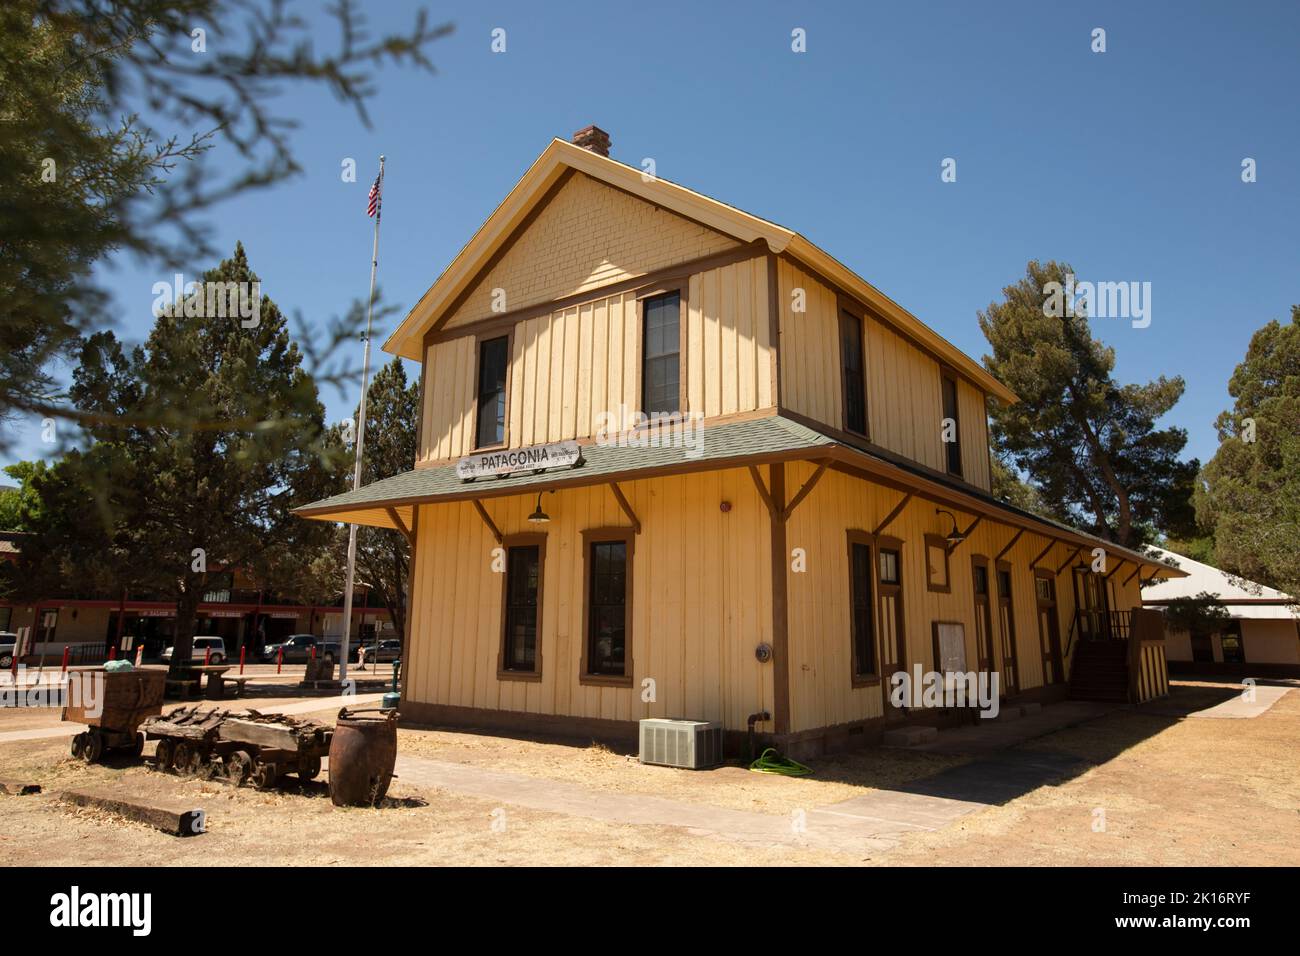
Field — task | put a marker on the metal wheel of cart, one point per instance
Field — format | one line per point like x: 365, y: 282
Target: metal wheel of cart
x: 308, y: 768
x: 239, y: 766
x: 93, y: 748
x: 162, y: 757
x: 183, y: 757
x: 265, y: 775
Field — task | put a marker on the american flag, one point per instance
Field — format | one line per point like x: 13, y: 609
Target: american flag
x: 372, y: 201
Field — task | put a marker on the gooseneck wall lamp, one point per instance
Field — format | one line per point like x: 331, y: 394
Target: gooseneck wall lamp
x: 953, y: 537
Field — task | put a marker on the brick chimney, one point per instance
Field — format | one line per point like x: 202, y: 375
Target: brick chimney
x: 593, y: 138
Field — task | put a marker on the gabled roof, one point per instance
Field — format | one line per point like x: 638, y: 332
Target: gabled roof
x: 1249, y: 601
x: 560, y: 156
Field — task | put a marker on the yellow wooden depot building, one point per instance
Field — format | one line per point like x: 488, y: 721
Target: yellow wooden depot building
x: 677, y: 461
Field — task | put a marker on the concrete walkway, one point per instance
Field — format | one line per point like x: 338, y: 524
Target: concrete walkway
x: 990, y: 736
x: 246, y: 703
x: 871, y: 823
x: 1239, y: 708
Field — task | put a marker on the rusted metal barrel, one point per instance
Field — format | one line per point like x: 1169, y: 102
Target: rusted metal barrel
x: 363, y: 752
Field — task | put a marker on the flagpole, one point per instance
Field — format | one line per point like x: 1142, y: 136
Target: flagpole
x: 361, y: 440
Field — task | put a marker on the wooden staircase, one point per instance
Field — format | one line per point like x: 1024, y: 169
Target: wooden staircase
x: 1100, y: 671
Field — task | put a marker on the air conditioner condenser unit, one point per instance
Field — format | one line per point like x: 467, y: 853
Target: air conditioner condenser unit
x: 691, y: 744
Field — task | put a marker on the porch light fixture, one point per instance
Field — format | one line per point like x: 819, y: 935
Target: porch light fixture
x: 953, y: 537
x: 539, y: 516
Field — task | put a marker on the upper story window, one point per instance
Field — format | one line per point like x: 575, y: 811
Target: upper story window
x: 491, y: 392
x: 951, y: 433
x: 661, y: 354
x: 855, y: 379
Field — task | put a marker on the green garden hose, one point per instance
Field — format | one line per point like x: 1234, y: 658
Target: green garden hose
x: 769, y: 761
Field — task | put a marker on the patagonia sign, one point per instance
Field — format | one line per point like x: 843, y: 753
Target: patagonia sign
x: 560, y: 454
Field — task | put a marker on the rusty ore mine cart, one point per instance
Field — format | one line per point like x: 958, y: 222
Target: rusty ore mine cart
x: 239, y: 747
x: 113, y: 715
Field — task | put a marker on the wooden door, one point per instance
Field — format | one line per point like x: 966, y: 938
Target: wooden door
x: 1010, y: 672
x: 1049, y: 630
x: 892, y: 642
x: 985, y: 660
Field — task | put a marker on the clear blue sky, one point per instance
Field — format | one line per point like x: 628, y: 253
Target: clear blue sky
x: 1125, y: 164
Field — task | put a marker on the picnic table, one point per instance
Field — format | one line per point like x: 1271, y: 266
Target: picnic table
x: 192, y: 679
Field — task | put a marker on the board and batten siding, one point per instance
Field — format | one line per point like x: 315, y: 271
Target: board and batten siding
x: 904, y: 396
x: 701, y: 602
x: 577, y: 369
x: 729, y: 351
x: 821, y: 691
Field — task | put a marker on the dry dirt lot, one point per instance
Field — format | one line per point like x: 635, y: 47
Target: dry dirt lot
x: 1174, y: 790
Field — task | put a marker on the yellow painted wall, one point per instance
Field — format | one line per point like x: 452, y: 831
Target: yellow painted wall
x: 702, y: 599
x: 904, y: 398
x: 820, y: 646
x: 905, y: 404
x: 810, y: 351
x: 729, y: 348
x: 701, y: 603
x: 575, y: 370
x: 447, y: 427
x: 589, y: 235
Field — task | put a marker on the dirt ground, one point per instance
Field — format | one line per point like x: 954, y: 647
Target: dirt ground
x: 1158, y: 788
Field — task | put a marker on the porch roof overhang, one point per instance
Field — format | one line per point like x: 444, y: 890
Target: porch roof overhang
x: 761, y: 440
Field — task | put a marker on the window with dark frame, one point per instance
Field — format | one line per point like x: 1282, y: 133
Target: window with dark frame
x: 523, y: 578
x: 607, y: 609
x: 492, y: 361
x: 864, y: 644
x: 888, y: 566
x: 661, y: 354
x: 855, y: 379
x: 952, y: 448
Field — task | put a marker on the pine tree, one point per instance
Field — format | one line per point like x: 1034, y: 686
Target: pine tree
x: 1088, y: 445
x: 1249, y: 492
x: 174, y: 502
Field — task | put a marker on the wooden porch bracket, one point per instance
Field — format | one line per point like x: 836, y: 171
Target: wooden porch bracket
x: 1010, y: 544
x: 762, y: 490
x: 401, y: 525
x: 1042, y: 554
x: 1136, y: 570
x: 487, y: 520
x: 626, y: 506
x: 1077, y: 552
x: 965, y: 535
x: 1114, y: 570
x: 898, y: 510
x: 807, y: 487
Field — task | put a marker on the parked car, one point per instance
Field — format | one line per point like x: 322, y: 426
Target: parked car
x: 199, y: 651
x: 388, y: 651
x: 298, y: 647
x: 8, y: 641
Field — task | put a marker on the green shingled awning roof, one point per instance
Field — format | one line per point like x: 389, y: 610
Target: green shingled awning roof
x: 390, y: 502
x: 771, y: 438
